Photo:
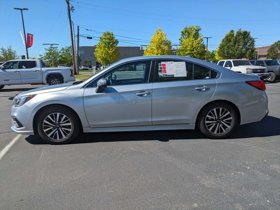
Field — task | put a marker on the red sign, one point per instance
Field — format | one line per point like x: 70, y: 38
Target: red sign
x: 29, y: 40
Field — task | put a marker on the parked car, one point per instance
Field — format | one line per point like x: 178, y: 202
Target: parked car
x: 31, y: 71
x: 84, y: 67
x: 244, y: 66
x: 144, y: 94
x: 1, y: 62
x: 273, y: 68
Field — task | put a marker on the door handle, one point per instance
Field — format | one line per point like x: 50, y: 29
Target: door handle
x: 202, y: 88
x: 143, y: 93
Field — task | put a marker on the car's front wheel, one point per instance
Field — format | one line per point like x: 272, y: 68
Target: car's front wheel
x: 272, y: 77
x: 1, y: 86
x: 57, y: 125
x: 218, y: 120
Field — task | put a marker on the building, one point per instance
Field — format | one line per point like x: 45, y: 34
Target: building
x: 87, y: 54
x: 262, y: 52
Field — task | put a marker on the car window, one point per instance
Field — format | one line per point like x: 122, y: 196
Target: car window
x: 201, y: 72
x: 11, y: 65
x: 228, y: 64
x: 168, y: 70
x: 27, y: 64
x: 259, y: 63
x: 271, y: 63
x: 131, y: 73
x: 221, y: 63
x: 241, y: 63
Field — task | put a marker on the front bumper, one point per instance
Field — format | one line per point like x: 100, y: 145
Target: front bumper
x: 22, y: 120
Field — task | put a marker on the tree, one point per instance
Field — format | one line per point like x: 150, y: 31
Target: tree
x: 65, y: 56
x: 51, y: 56
x: 191, y: 43
x: 159, y: 45
x: 237, y: 45
x: 7, y: 54
x: 106, y: 51
x: 273, y: 51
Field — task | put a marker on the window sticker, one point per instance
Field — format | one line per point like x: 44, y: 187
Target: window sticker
x: 175, y: 69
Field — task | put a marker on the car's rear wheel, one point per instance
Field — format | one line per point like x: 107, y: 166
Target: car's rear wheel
x: 54, y: 80
x: 272, y: 77
x: 1, y: 86
x: 57, y: 125
x: 218, y: 120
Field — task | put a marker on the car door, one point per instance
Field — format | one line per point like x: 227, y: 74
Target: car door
x: 29, y: 72
x: 179, y: 92
x: 9, y: 73
x: 125, y: 102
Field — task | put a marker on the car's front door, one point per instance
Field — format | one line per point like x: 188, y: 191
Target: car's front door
x: 9, y: 73
x: 29, y: 72
x: 179, y: 89
x: 125, y: 102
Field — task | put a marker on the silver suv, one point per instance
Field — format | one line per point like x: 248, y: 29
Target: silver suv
x: 144, y: 94
x: 273, y: 68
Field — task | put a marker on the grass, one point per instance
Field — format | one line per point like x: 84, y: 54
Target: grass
x: 83, y: 76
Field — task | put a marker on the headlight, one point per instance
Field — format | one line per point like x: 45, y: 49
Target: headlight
x: 249, y: 71
x: 20, y: 100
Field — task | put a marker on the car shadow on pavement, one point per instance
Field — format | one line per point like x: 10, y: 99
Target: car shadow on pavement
x: 270, y: 126
x: 16, y: 89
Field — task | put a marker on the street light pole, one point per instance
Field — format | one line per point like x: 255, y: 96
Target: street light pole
x: 26, y: 49
x: 207, y: 38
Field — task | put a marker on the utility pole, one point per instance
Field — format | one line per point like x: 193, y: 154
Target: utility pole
x: 72, y: 38
x: 26, y: 49
x: 78, y: 50
x: 207, y: 37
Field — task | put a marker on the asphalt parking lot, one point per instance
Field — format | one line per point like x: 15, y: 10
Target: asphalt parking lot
x: 143, y: 170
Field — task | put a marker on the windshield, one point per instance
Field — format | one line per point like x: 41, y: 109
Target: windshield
x: 272, y: 63
x: 241, y: 63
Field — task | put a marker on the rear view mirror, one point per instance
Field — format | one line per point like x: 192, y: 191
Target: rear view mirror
x: 101, y: 85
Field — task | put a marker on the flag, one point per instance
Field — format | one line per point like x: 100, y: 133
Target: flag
x: 29, y: 40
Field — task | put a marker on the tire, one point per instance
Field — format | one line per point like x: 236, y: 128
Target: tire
x: 272, y: 77
x: 57, y: 125
x: 54, y: 79
x: 1, y: 86
x: 218, y: 120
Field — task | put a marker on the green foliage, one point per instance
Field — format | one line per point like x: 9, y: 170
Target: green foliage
x: 237, y: 45
x: 273, y: 51
x: 106, y: 51
x: 210, y: 56
x: 159, y: 45
x: 191, y: 43
x: 65, y: 56
x: 7, y: 54
x: 51, y: 56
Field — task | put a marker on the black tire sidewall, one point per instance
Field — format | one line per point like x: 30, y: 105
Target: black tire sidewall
x: 202, y: 115
x: 59, y: 109
x: 2, y: 86
x: 54, y: 77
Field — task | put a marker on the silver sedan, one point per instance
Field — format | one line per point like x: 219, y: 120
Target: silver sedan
x: 144, y: 94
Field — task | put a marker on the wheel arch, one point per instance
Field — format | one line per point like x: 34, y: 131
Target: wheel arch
x: 34, y: 123
x: 218, y: 101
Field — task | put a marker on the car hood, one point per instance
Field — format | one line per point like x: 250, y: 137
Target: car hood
x: 48, y: 89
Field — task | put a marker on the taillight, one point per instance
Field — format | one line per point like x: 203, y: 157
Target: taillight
x: 259, y: 84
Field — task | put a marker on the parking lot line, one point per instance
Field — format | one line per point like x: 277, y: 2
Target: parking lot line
x: 4, y: 151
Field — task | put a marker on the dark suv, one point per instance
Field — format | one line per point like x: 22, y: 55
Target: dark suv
x: 273, y: 68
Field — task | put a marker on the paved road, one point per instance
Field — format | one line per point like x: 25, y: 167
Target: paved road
x: 145, y: 170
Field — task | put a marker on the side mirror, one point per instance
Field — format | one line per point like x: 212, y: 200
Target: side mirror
x: 101, y: 85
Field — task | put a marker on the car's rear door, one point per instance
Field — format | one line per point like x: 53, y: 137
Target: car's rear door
x: 125, y: 102
x: 29, y: 72
x: 179, y: 91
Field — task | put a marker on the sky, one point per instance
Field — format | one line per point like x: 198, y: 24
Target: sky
x: 134, y: 22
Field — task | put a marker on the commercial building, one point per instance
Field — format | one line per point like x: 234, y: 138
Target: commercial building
x: 87, y: 54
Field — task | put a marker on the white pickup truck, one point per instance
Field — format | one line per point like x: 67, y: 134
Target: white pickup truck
x: 15, y: 72
x: 244, y: 66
